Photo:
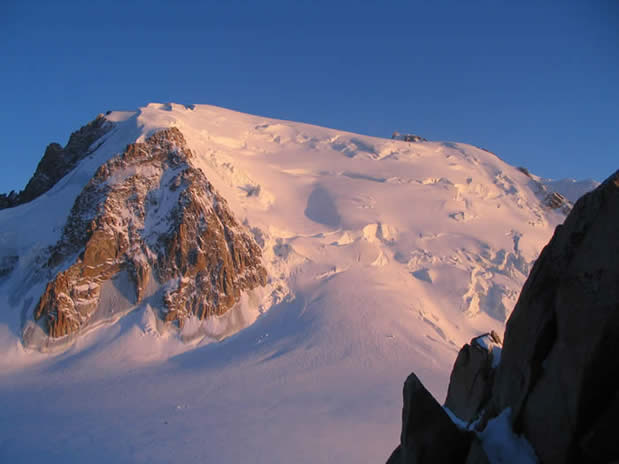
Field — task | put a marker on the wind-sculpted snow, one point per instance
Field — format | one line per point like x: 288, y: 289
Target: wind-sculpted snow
x: 383, y: 256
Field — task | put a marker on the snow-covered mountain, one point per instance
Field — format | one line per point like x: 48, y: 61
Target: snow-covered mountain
x: 349, y: 260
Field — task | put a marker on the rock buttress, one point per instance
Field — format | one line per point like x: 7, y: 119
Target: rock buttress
x: 149, y: 212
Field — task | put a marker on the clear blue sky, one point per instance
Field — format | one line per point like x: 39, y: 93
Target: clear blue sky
x: 535, y: 82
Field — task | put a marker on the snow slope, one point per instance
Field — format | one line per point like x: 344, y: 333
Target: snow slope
x: 390, y: 256
x: 571, y: 189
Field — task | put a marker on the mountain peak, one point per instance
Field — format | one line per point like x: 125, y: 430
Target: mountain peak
x: 147, y: 215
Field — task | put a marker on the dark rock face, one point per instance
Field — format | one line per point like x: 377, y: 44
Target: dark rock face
x: 471, y: 380
x: 600, y: 442
x: 477, y: 455
x: 559, y: 368
x: 428, y: 434
x: 150, y: 213
x: 58, y: 161
x: 559, y: 365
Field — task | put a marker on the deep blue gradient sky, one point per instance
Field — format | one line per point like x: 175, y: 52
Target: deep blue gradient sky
x: 535, y: 82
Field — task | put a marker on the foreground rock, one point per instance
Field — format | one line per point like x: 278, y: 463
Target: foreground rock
x: 150, y: 215
x: 559, y: 371
x: 58, y: 161
x: 428, y: 434
x: 470, y: 384
x: 559, y: 367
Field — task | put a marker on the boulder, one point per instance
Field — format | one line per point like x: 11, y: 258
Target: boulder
x: 470, y: 383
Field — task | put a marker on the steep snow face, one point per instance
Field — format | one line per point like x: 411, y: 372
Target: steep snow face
x: 390, y: 254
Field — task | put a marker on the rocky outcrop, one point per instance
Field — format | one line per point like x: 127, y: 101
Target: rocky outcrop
x: 408, y: 137
x: 559, y: 366
x: 149, y: 213
x: 58, y: 161
x: 548, y: 197
x: 558, y: 370
x: 555, y: 200
x: 472, y: 376
x: 423, y: 420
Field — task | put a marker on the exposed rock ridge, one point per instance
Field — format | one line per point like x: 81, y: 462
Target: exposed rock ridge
x: 58, y: 161
x: 472, y: 377
x: 556, y: 382
x: 423, y: 420
x: 150, y: 213
x: 549, y: 199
